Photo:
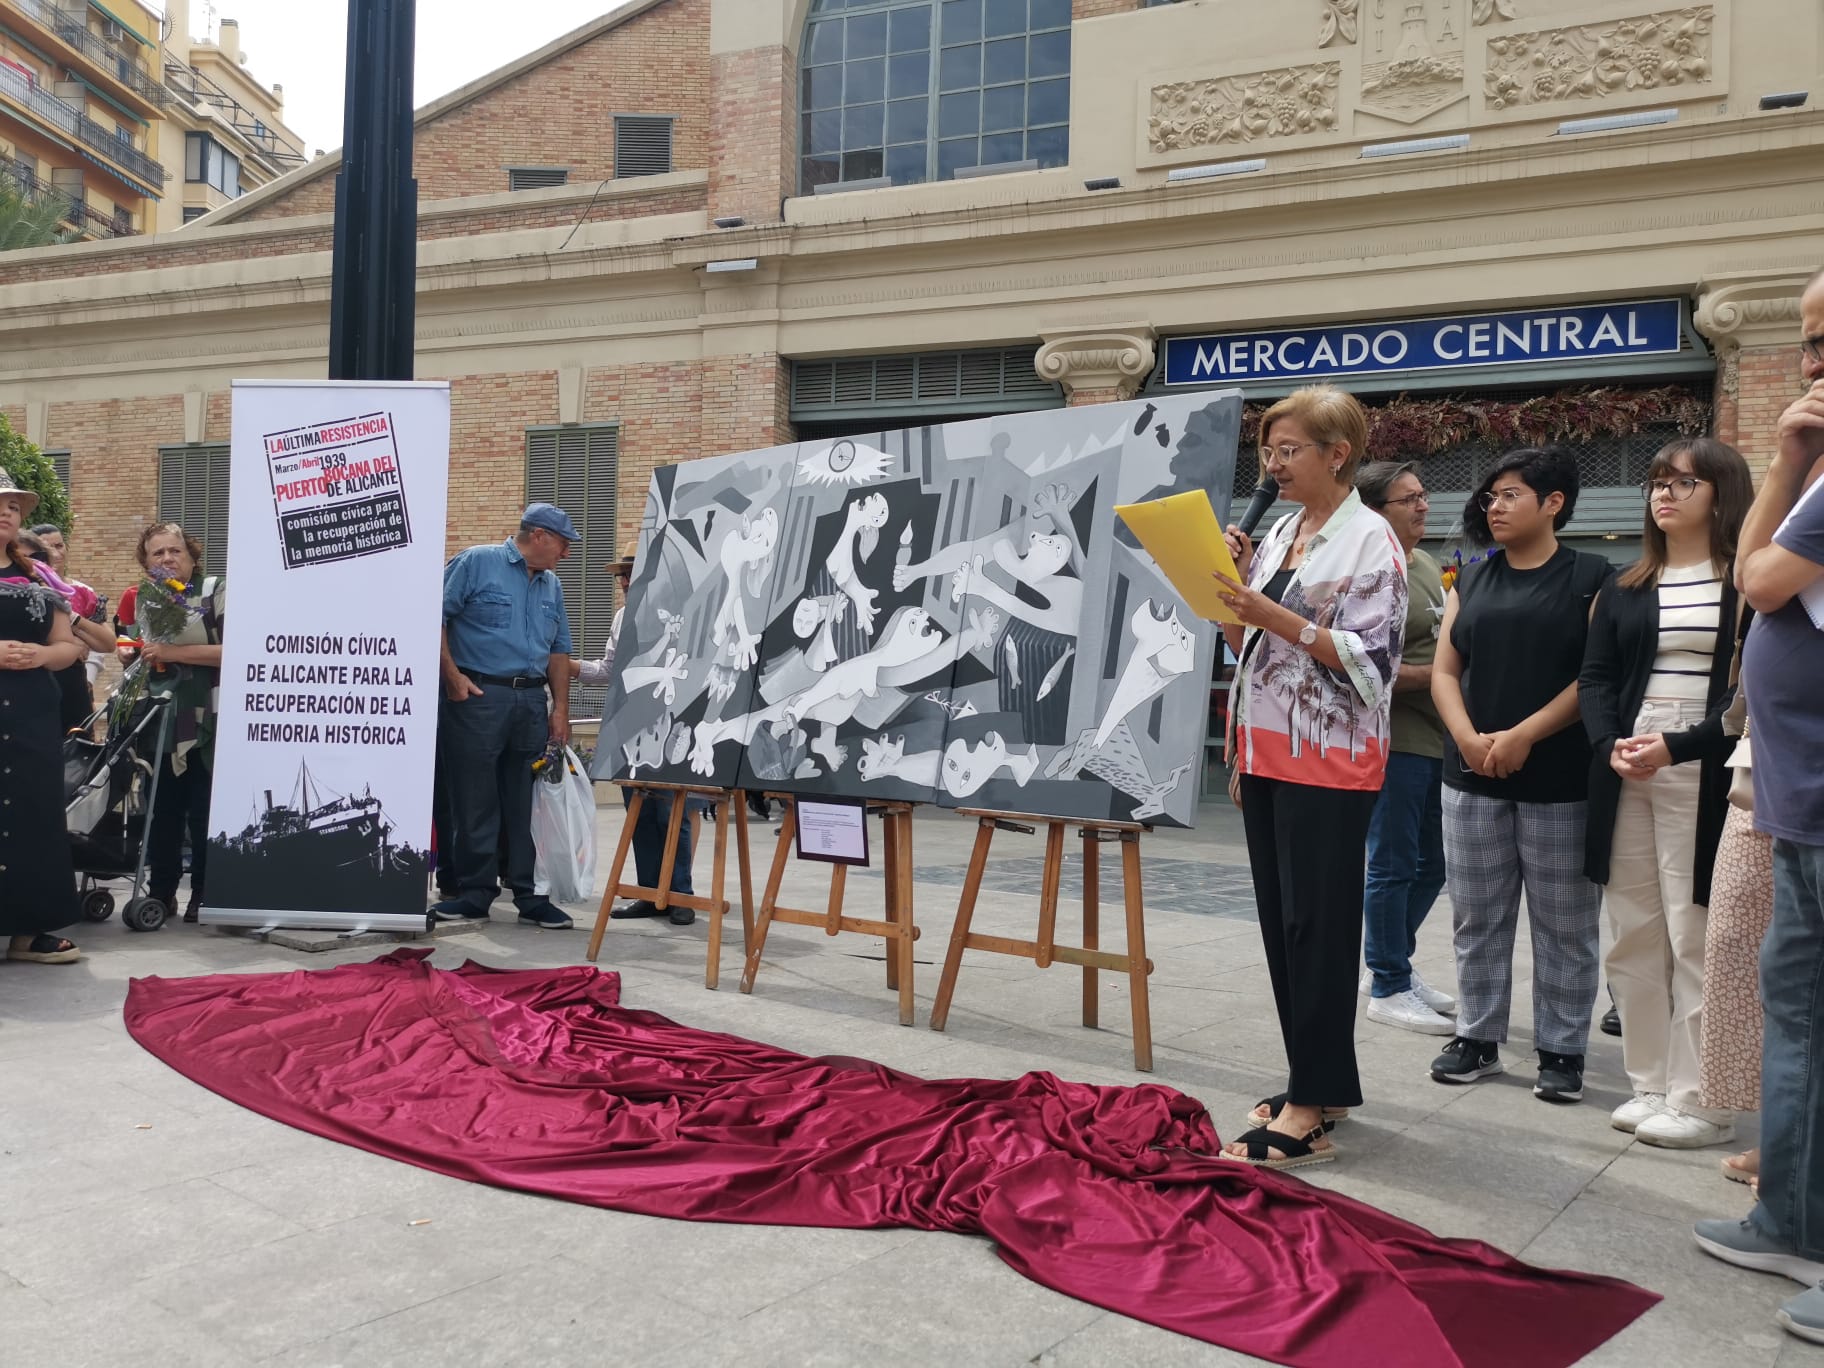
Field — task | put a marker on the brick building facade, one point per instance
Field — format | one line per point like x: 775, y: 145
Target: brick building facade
x: 585, y: 307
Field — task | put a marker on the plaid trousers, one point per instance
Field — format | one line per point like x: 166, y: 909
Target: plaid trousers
x: 1492, y: 849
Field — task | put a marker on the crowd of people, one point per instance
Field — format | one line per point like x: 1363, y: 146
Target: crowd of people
x: 1536, y: 726
x: 1533, y: 726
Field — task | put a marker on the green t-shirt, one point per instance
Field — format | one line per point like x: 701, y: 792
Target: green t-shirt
x: 1416, y: 728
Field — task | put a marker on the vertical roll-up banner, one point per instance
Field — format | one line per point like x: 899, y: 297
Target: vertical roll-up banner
x: 320, y: 814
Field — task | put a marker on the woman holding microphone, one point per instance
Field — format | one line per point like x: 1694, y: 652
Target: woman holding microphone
x: 1322, y: 609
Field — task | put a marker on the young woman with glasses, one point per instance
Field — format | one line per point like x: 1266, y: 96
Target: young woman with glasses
x: 1653, y: 691
x: 1516, y: 772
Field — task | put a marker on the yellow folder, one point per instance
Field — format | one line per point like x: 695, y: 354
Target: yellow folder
x: 1181, y: 534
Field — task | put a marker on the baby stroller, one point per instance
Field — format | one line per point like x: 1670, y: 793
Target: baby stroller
x: 109, y: 789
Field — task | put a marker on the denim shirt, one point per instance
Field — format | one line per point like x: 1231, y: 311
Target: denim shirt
x: 502, y: 621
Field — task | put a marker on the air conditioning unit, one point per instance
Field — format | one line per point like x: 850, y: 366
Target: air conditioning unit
x: 113, y: 32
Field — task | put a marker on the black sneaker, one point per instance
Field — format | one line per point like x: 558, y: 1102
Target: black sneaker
x: 545, y: 916
x: 681, y: 916
x: 1560, y: 1077
x: 1465, y: 1061
x: 458, y: 909
x: 1611, y: 1022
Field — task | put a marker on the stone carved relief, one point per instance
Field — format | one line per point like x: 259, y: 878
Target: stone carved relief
x: 1112, y: 357
x: 1282, y: 103
x: 1339, y: 22
x: 1594, y: 61
x: 1412, y: 59
x: 1487, y: 11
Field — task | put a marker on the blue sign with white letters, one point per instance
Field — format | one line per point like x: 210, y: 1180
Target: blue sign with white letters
x: 1518, y: 337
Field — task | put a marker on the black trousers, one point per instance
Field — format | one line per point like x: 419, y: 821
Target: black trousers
x: 1307, y: 848
x: 182, y: 807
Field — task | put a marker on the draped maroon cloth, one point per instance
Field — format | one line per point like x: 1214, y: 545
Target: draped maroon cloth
x: 538, y: 1080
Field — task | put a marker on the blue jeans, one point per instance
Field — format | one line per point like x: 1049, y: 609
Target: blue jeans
x: 487, y: 745
x: 1405, y: 867
x: 649, y: 841
x: 1791, y: 1208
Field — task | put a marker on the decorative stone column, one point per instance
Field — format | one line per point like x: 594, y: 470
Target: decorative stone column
x: 1752, y: 321
x: 1097, y: 365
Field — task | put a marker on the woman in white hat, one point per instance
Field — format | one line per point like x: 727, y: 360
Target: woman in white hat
x: 37, y: 882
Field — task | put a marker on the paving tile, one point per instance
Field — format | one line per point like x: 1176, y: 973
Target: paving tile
x: 111, y: 1327
x: 135, y: 1237
x: 1115, y: 1341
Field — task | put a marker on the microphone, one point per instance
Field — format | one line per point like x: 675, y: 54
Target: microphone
x: 1264, y: 496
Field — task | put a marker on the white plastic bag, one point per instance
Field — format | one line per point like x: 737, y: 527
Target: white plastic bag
x: 563, y: 834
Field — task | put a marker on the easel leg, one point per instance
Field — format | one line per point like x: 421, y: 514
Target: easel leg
x: 1048, y: 894
x: 679, y: 802
x: 908, y: 926
x: 839, y: 884
x: 787, y: 829
x: 747, y: 874
x: 1092, y: 931
x: 1136, y: 953
x: 959, y: 934
x: 712, y: 973
x: 889, y: 831
x: 614, y: 874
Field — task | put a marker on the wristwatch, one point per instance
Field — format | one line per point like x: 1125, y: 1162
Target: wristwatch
x: 1307, y: 636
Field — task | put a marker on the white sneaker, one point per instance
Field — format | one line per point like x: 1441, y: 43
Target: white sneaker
x: 1673, y: 1129
x: 1406, y: 1011
x: 1642, y: 1107
x: 1366, y: 986
x: 1432, y: 997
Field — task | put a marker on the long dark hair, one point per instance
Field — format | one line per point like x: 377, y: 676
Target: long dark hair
x: 1722, y: 465
x: 1544, y: 470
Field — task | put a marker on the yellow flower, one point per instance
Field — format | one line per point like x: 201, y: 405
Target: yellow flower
x: 176, y: 586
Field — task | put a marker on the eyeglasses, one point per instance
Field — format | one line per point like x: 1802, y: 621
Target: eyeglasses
x: 1284, y: 452
x: 1507, y: 498
x: 1681, y: 488
x: 1813, y: 347
x: 1422, y: 497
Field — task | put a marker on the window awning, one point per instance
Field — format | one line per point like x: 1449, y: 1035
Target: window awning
x: 109, y: 100
x: 131, y: 32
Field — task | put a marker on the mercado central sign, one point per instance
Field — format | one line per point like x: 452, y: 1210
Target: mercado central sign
x: 1516, y: 337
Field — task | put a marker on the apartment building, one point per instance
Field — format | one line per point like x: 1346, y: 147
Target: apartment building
x: 81, y: 97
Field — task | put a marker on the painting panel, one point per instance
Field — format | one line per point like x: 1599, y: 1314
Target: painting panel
x: 1098, y: 698
x: 693, y: 621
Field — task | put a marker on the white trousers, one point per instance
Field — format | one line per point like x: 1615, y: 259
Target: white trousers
x: 1656, y: 964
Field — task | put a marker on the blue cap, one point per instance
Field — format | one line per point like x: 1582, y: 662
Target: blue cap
x: 552, y: 519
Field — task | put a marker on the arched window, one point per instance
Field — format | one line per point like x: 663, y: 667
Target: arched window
x: 915, y: 90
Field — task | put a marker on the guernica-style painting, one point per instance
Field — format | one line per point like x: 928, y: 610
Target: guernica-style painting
x: 949, y: 614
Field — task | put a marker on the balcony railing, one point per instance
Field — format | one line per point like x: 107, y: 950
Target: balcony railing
x: 80, y: 126
x: 75, y: 210
x: 193, y: 88
x: 73, y: 28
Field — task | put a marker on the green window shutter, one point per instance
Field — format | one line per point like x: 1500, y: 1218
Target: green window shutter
x: 578, y: 469
x: 193, y: 491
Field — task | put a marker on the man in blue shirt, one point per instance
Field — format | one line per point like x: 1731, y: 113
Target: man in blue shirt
x: 505, y: 641
x: 1780, y: 569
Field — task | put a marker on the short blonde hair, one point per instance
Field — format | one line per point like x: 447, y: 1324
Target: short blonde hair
x: 1331, y: 416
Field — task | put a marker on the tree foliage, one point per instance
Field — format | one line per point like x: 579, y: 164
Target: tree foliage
x: 29, y: 220
x: 32, y: 469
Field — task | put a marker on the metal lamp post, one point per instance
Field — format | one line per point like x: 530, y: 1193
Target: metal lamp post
x: 373, y: 281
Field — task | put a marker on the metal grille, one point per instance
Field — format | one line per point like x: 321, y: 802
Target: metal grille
x: 578, y: 469
x: 60, y: 462
x: 642, y: 144
x: 193, y: 491
x: 932, y: 379
x: 536, y: 177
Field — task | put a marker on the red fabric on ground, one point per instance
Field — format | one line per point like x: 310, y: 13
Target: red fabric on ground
x: 538, y: 1080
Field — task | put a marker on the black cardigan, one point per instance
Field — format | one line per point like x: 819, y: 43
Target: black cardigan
x: 1617, y: 662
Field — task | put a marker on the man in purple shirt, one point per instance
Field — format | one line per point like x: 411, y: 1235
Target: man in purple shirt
x: 1780, y: 570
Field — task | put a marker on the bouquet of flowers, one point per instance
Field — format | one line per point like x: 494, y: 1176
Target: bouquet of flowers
x: 164, y: 608
x: 1456, y: 565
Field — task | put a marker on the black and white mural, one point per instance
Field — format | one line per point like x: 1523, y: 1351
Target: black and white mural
x: 943, y: 614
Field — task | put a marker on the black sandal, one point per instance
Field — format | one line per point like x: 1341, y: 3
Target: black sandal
x: 45, y: 949
x: 1277, y: 1103
x: 1296, y: 1151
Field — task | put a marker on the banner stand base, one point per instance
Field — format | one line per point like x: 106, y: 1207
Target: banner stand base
x: 265, y: 920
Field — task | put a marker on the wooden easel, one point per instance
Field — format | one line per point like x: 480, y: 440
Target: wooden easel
x: 1045, y: 950
x: 725, y: 802
x: 899, y: 929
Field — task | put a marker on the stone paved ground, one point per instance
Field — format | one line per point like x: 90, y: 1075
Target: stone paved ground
x: 144, y: 1221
